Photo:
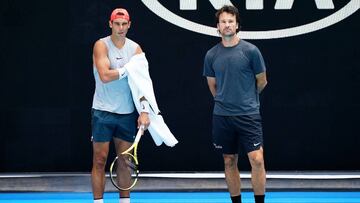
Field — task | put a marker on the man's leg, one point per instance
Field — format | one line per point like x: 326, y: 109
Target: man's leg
x: 258, y: 174
x: 232, y: 176
x: 100, y: 153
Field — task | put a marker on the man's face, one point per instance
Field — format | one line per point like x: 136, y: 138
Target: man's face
x: 119, y: 27
x: 227, y: 24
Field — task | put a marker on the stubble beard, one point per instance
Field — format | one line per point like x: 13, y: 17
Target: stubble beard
x: 228, y: 37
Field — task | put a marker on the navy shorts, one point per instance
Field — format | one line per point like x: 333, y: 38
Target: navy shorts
x: 106, y: 125
x: 234, y: 133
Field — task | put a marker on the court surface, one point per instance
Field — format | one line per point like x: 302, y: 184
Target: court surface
x: 182, y: 197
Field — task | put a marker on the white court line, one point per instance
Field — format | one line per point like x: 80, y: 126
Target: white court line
x: 247, y: 175
x: 277, y: 175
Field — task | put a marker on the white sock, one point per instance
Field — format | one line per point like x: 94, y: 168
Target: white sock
x: 98, y: 200
x: 125, y: 200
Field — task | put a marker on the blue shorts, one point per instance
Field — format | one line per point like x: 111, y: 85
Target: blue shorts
x: 106, y: 125
x: 234, y: 133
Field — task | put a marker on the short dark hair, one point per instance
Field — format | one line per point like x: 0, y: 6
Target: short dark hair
x: 229, y: 9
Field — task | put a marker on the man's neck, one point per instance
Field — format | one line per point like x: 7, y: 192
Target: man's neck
x: 118, y: 41
x: 230, y: 41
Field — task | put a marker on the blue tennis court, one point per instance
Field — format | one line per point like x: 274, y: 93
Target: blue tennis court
x: 183, y: 197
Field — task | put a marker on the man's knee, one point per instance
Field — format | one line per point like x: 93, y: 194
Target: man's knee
x: 99, y: 160
x: 256, y: 159
x: 230, y: 161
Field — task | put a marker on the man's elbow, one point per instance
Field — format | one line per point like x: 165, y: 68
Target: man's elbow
x: 261, y: 85
x: 264, y: 83
x: 105, y: 79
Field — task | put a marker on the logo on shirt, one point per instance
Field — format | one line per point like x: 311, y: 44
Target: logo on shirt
x: 119, y: 58
x: 256, y: 6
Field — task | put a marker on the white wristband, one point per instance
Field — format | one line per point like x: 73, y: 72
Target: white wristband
x: 122, y: 73
x: 145, y: 107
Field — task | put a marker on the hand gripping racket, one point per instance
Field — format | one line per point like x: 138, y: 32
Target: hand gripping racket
x: 124, y: 171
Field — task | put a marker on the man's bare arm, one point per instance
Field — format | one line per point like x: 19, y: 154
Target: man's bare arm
x: 261, y: 81
x: 212, y: 85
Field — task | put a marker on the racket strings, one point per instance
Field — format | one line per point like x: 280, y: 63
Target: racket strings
x: 124, y: 172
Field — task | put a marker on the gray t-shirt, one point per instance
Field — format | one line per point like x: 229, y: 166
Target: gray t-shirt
x: 234, y: 69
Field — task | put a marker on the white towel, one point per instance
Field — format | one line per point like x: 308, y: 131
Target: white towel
x: 141, y: 85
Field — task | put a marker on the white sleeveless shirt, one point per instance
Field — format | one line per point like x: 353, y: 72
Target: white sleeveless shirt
x: 115, y: 96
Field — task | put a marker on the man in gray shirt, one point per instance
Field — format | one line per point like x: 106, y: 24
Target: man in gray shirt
x: 235, y: 72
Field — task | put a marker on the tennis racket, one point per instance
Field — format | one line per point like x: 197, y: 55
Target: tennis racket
x: 124, y: 170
